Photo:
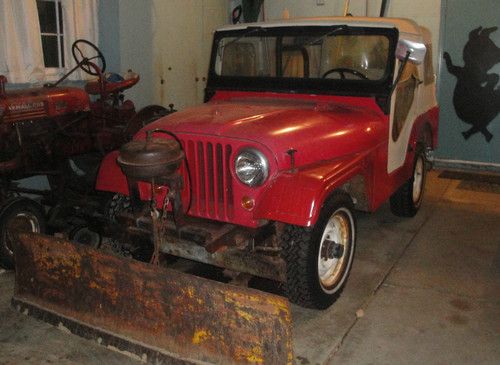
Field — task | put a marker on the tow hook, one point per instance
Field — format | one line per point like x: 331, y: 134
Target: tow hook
x: 331, y: 250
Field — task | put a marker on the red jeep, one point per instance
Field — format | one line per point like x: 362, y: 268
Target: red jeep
x: 304, y: 122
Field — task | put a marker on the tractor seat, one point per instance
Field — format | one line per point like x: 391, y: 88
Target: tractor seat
x: 111, y: 87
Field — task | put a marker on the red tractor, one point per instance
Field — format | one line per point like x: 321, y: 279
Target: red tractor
x: 61, y: 132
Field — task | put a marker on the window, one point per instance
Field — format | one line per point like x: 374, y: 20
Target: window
x: 41, y: 34
x: 52, y: 32
x: 428, y: 67
x: 350, y: 57
x: 405, y: 95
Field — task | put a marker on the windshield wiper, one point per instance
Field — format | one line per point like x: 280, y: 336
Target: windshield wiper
x: 327, y: 34
x: 249, y: 30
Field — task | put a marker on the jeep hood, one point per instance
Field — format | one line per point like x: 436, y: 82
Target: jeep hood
x: 311, y: 127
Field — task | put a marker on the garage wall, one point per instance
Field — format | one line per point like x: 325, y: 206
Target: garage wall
x: 109, y: 33
x: 470, y: 96
x: 125, y: 38
x: 182, y: 39
x: 166, y: 41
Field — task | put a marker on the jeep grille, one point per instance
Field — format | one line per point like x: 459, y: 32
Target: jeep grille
x: 211, y: 180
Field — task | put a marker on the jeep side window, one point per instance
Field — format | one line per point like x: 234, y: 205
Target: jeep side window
x: 405, y: 95
x: 428, y: 67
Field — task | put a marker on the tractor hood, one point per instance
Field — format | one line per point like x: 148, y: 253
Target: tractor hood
x: 317, y: 128
x: 45, y: 102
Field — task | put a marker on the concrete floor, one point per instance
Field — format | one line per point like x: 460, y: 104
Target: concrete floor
x: 424, y: 290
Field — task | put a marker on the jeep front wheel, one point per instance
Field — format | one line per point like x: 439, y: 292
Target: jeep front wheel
x: 319, y: 259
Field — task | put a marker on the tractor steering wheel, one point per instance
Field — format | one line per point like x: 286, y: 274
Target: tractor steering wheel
x: 84, y: 61
x: 342, y: 71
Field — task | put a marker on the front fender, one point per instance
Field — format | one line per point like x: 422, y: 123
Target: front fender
x: 110, y: 176
x: 297, y: 197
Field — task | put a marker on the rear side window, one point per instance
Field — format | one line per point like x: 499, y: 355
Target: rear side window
x: 428, y: 68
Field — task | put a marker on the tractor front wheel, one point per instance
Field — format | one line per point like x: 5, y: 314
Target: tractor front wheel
x: 18, y: 215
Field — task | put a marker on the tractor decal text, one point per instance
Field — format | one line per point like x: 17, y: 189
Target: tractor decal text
x: 26, y: 106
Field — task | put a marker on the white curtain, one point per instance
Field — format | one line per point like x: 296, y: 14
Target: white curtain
x: 21, y: 56
x: 80, y: 22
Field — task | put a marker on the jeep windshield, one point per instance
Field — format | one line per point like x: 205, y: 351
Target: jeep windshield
x: 307, y: 59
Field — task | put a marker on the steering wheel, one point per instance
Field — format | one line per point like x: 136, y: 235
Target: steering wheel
x: 342, y: 71
x: 83, y: 61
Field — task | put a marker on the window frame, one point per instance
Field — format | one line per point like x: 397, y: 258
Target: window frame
x: 371, y: 88
x: 52, y: 73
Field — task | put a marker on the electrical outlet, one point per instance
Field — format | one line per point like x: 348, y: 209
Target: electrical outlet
x: 320, y: 2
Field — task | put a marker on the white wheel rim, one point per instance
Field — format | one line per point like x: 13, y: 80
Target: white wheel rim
x: 26, y: 222
x: 418, y: 179
x: 333, y: 271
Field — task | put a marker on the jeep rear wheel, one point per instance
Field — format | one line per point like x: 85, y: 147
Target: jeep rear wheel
x: 18, y: 215
x: 319, y: 259
x: 406, y: 201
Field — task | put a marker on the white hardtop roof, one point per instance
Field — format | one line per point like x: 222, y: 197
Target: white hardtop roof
x: 407, y: 28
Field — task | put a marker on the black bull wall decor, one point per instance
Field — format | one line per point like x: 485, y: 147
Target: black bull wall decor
x: 476, y: 97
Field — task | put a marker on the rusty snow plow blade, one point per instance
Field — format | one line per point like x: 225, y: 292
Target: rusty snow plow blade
x: 156, y: 314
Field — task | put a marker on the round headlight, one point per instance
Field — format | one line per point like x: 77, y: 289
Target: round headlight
x: 251, y: 167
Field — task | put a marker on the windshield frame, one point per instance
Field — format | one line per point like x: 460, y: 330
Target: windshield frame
x: 329, y: 86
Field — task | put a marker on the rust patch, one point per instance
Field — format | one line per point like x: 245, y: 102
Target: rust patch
x: 303, y: 360
x: 191, y: 317
x: 457, y: 319
x: 461, y: 304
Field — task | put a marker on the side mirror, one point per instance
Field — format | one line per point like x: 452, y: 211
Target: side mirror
x: 416, y: 49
